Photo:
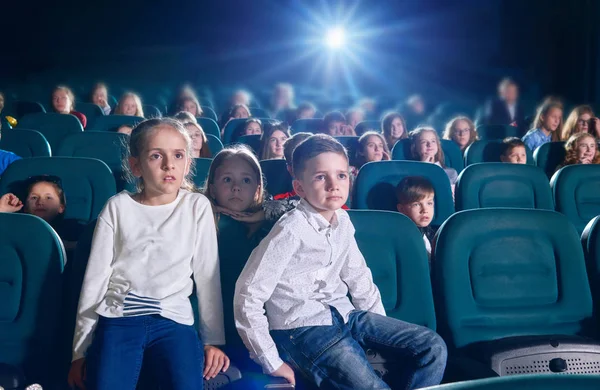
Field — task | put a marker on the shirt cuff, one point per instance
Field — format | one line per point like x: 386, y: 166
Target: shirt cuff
x: 270, y: 360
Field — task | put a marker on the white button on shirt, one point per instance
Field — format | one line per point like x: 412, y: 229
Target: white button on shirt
x: 304, y: 266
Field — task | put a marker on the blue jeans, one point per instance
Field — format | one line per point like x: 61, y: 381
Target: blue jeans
x: 173, y: 352
x: 333, y: 357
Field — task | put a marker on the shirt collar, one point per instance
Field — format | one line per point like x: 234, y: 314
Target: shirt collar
x: 316, y: 220
x: 544, y: 136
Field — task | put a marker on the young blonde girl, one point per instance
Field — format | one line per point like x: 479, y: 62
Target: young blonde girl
x: 271, y: 142
x: 63, y: 102
x: 461, y: 131
x: 580, y: 120
x: 200, y: 146
x: 546, y: 126
x: 393, y: 128
x: 129, y: 104
x: 581, y: 148
x: 426, y: 146
x: 147, y: 247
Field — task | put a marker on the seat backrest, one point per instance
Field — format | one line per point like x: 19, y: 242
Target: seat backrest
x: 394, y: 251
x: 375, y: 186
x: 486, y: 185
x: 24, y: 107
x: 253, y: 141
x: 234, y: 125
x: 88, y: 183
x: 529, y: 382
x: 105, y: 146
x: 214, y: 144
x: 259, y: 112
x: 549, y: 156
x: 209, y: 126
x: 452, y: 154
x: 487, y: 132
x: 365, y: 126
x: 55, y: 127
x: 31, y: 294
x: 576, y: 190
x: 277, y: 178
x: 489, y: 151
x: 113, y: 122
x: 151, y: 111
x: 590, y: 239
x: 307, y: 125
x: 201, y: 167
x: 90, y: 110
x: 351, y: 145
x: 208, y: 112
x: 508, y: 272
x: 25, y: 143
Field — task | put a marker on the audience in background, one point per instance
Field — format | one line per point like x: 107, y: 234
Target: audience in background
x: 393, y: 128
x: 546, y: 126
x: 185, y: 117
x: 200, y: 146
x: 334, y: 124
x: 513, y: 151
x: 462, y: 131
x: 100, y: 97
x: 581, y: 148
x: 306, y: 110
x: 354, y: 116
x: 189, y: 104
x: 6, y: 157
x: 580, y: 120
x: 371, y: 147
x: 240, y: 97
x: 239, y: 111
x: 271, y: 142
x: 426, y: 147
x: 63, y: 102
x: 414, y: 111
x: 129, y: 104
x: 505, y: 109
x: 282, y: 100
x: 252, y: 126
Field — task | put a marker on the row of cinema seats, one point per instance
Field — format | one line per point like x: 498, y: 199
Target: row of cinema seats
x: 509, y: 291
x: 573, y: 190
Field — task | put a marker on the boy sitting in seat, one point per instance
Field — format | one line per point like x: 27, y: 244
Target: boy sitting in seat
x: 415, y: 199
x: 291, y: 303
x: 513, y: 151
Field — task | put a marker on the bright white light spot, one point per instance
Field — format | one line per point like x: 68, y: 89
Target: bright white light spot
x: 335, y: 38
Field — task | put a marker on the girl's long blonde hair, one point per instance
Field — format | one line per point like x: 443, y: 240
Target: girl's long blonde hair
x: 139, y: 111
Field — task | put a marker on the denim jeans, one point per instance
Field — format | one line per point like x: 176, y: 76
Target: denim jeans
x: 333, y: 357
x: 173, y: 352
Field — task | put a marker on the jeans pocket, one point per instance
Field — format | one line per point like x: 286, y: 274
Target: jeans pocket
x: 313, y: 341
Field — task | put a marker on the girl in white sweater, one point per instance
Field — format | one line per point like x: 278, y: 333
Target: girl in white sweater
x: 148, y: 250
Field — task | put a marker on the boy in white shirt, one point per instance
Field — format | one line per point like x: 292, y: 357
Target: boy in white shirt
x: 302, y: 272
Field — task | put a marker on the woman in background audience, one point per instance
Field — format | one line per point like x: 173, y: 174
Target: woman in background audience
x: 63, y: 102
x: 272, y: 140
x: 581, y: 120
x: 371, y: 147
x: 189, y: 104
x: 582, y: 148
x: 200, y: 146
x: 354, y: 116
x: 546, y: 126
x: 185, y: 117
x: 282, y: 99
x: 239, y: 111
x: 393, y: 128
x: 129, y: 104
x: 462, y: 131
x: 241, y: 96
x: 150, y: 249
x: 100, y: 97
x: 252, y: 126
x: 425, y: 146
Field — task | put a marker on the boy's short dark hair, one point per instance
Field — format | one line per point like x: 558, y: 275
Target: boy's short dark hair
x: 312, y: 147
x: 510, y: 143
x: 413, y: 189
x: 291, y: 143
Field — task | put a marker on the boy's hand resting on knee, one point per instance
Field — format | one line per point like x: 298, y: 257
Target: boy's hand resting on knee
x: 285, y: 372
x: 215, y: 361
x: 77, y: 374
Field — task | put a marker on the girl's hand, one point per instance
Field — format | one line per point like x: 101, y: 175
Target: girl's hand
x: 242, y: 216
x: 215, y: 361
x: 76, y: 376
x: 9, y: 203
x: 427, y: 159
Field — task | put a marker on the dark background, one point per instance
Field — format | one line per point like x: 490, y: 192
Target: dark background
x: 440, y: 48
